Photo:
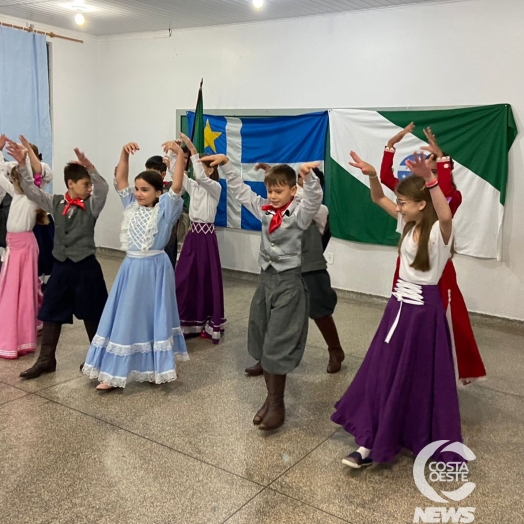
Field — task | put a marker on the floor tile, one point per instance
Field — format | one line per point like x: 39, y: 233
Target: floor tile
x: 270, y: 507
x: 60, y: 466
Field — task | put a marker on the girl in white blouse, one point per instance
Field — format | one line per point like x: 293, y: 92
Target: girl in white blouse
x: 404, y: 393
x: 198, y: 273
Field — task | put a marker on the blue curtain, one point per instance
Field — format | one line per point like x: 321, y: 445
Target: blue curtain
x: 24, y: 89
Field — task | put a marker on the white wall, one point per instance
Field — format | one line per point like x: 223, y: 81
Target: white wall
x: 434, y: 55
x: 450, y: 54
x: 76, y: 91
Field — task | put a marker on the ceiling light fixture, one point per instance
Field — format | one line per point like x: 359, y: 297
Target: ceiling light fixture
x: 79, y: 7
x: 257, y: 4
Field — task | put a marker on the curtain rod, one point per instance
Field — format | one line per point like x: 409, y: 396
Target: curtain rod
x: 31, y: 29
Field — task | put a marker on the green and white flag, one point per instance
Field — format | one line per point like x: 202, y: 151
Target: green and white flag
x: 478, y: 139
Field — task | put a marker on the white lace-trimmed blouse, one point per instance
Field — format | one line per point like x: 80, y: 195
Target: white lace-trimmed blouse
x: 148, y: 228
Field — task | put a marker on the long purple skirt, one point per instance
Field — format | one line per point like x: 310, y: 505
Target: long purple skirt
x: 199, y: 289
x: 404, y: 395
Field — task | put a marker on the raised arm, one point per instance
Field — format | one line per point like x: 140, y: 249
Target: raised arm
x: 377, y: 193
x: 444, y: 171
x: 387, y: 176
x: 211, y: 186
x: 35, y: 161
x: 100, y: 187
x: 241, y: 191
x: 3, y: 140
x: 419, y: 167
x: 36, y: 195
x: 180, y: 164
x: 5, y: 166
x: 312, y: 199
x: 122, y: 169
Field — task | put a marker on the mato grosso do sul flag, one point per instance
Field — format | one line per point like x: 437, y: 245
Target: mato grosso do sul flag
x: 247, y: 141
x: 477, y: 138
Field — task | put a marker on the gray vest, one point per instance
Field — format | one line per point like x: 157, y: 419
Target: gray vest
x: 283, y: 248
x: 312, y: 250
x: 74, y: 235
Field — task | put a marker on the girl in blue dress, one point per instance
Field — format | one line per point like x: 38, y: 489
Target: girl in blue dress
x: 139, y: 333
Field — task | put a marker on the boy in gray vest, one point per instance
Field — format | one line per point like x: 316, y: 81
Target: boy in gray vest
x: 322, y: 297
x: 278, y: 317
x: 76, y: 286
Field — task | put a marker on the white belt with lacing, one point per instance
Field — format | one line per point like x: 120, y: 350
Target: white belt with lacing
x: 202, y: 227
x: 144, y: 254
x: 408, y: 293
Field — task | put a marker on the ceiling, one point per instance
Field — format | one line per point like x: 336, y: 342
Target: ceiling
x: 109, y: 17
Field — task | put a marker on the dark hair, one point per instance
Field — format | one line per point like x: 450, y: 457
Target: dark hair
x: 214, y: 175
x: 157, y: 163
x: 281, y: 175
x: 36, y: 152
x: 184, y: 148
x: 152, y: 178
x: 414, y: 188
x: 75, y: 172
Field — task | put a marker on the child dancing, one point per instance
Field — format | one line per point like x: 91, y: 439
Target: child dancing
x: 139, y: 333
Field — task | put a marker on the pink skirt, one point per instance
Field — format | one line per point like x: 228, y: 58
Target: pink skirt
x: 20, y: 295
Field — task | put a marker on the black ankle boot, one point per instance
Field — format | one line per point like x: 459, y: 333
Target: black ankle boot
x: 46, y: 362
x: 39, y: 368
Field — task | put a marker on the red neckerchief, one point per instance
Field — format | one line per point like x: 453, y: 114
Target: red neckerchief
x: 72, y: 202
x: 276, y: 221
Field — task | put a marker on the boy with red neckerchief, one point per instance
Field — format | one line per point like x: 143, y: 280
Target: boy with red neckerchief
x: 76, y: 286
x: 278, y: 317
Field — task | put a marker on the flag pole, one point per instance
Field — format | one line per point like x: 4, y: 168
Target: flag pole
x: 199, y: 99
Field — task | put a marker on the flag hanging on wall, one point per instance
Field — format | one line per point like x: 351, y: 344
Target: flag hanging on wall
x: 477, y: 138
x: 248, y: 140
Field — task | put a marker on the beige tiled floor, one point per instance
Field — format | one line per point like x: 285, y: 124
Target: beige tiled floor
x: 187, y: 452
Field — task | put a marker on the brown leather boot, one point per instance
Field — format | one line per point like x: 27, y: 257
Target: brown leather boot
x: 46, y: 361
x: 262, y: 412
x: 254, y: 371
x: 276, y: 412
x: 327, y: 327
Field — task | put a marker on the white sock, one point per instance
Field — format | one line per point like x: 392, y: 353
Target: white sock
x: 364, y: 452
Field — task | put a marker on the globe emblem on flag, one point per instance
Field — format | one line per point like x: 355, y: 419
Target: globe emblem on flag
x: 403, y: 169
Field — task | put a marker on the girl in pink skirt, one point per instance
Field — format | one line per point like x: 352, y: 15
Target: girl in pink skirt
x: 20, y: 294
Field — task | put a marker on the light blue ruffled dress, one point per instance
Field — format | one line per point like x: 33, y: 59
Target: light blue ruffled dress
x: 139, y: 333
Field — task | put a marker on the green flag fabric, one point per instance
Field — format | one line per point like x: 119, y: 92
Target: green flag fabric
x: 197, y: 133
x: 477, y: 138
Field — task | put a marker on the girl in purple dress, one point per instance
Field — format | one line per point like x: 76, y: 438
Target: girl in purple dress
x: 404, y: 395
